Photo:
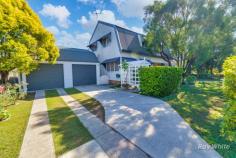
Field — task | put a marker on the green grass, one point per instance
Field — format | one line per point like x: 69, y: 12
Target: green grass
x: 201, y: 105
x: 12, y: 130
x: 67, y: 130
x: 88, y: 102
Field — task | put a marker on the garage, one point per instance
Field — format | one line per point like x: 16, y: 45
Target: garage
x: 84, y: 74
x: 74, y: 67
x: 47, y: 76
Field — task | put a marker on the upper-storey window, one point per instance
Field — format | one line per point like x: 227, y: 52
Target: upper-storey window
x: 93, y: 46
x: 105, y: 40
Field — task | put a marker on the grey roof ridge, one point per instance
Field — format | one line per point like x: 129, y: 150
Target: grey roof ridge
x: 112, y: 25
x: 74, y: 49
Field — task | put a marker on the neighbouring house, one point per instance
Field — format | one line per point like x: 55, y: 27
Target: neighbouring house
x: 110, y: 45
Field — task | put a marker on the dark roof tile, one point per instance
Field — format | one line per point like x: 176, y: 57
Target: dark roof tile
x: 77, y: 55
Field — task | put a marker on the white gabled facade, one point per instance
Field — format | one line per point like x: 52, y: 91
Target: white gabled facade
x: 112, y: 49
x: 111, y: 54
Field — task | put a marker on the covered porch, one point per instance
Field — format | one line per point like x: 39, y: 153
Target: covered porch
x: 115, y: 75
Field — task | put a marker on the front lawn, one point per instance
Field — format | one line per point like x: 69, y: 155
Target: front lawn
x: 67, y: 130
x: 201, y: 105
x: 88, y: 102
x: 12, y: 130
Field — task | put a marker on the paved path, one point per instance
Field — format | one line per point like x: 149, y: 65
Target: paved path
x: 90, y: 149
x: 114, y: 144
x: 38, y: 142
x: 149, y: 123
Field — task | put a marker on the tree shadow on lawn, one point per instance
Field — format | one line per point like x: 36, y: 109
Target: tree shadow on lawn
x: 68, y: 131
x: 202, y: 107
x: 91, y: 104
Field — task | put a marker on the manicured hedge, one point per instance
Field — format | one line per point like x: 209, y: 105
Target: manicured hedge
x: 159, y: 81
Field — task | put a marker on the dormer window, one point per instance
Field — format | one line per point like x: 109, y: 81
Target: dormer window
x: 93, y: 46
x: 105, y: 40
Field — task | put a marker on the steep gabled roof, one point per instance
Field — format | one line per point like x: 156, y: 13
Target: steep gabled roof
x: 77, y: 55
x: 112, y: 25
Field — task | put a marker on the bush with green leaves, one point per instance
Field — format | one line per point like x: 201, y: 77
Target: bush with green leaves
x: 159, y: 81
x: 230, y: 76
x: 190, y: 79
x: 4, y: 114
x: 229, y: 119
x: 8, y: 96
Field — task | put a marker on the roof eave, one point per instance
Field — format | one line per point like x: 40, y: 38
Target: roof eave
x: 141, y: 53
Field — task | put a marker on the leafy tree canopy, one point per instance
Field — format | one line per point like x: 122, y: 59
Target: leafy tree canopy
x: 23, y: 40
x: 198, y: 33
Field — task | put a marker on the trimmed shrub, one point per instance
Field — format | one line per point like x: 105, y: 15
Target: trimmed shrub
x: 159, y: 81
x: 190, y: 79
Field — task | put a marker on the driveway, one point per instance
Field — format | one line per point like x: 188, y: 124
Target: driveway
x: 150, y: 123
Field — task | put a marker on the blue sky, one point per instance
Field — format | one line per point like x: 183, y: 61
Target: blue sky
x: 72, y: 21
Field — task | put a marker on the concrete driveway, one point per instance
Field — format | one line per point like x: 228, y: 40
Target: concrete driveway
x: 150, y: 123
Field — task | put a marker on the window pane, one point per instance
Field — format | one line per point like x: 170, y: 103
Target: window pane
x: 116, y: 67
x: 112, y: 66
x: 108, y: 67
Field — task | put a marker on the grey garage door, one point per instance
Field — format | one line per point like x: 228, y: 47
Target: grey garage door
x: 84, y: 74
x: 47, y: 76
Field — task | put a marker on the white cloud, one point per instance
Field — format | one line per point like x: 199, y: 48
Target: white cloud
x: 87, y: 1
x: 75, y: 40
x: 137, y: 29
x: 104, y: 15
x: 53, y: 29
x: 131, y: 8
x: 60, y: 13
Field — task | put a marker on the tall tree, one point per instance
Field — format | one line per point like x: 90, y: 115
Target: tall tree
x: 212, y: 35
x: 23, y: 40
x: 168, y: 23
x: 198, y: 33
